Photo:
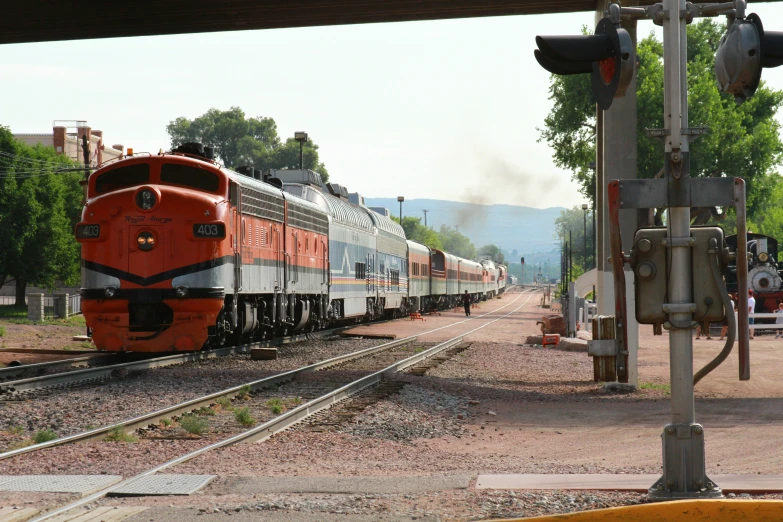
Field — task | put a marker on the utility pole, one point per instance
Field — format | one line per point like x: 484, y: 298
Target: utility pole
x: 425, y: 217
x: 584, y: 219
x: 400, y: 199
x: 86, y: 154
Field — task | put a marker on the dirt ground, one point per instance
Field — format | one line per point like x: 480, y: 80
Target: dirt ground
x: 529, y: 410
x: 51, y: 335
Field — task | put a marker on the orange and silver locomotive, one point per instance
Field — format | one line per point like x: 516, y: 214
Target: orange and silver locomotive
x: 178, y: 251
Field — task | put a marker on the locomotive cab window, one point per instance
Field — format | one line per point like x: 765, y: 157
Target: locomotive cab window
x: 122, y: 177
x: 187, y: 176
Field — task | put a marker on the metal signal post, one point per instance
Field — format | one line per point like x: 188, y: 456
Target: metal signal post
x: 677, y: 269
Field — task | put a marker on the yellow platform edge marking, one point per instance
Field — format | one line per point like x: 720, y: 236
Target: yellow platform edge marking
x: 681, y: 510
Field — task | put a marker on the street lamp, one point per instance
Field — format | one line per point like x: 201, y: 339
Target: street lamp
x: 584, y: 209
x: 400, y: 199
x: 301, y: 137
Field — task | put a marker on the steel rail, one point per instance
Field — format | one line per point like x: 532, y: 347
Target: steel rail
x: 13, y: 371
x: 286, y: 420
x: 279, y: 423
x: 145, y: 420
x: 102, y: 372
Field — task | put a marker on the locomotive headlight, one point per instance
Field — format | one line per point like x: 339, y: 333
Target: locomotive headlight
x: 145, y: 241
x: 145, y: 199
x: 109, y: 291
x: 182, y: 291
x: 763, y: 257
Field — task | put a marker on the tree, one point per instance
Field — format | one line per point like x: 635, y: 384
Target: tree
x: 492, y: 252
x: 238, y: 140
x: 456, y: 243
x: 38, y: 209
x: 417, y: 232
x: 570, y: 226
x: 742, y: 140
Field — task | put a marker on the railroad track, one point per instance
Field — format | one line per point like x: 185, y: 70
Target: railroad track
x: 415, y: 363
x: 13, y: 389
x: 39, y: 368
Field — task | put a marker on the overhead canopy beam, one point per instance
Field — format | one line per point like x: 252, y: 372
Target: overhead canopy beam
x: 44, y: 20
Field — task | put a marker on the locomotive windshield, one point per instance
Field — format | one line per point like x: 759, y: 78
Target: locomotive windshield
x: 188, y: 176
x: 122, y: 177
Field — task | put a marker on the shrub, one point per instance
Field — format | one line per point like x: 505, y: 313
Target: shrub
x: 44, y: 436
x: 224, y: 402
x: 207, y: 411
x: 117, y: 434
x: 243, y: 417
x: 244, y: 392
x: 275, y: 406
x: 2, y: 331
x: 193, y: 424
x: 166, y: 422
x: 16, y: 430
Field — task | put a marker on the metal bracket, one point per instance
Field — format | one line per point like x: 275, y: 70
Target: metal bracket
x: 691, y: 133
x: 679, y: 308
x: 602, y: 348
x: 679, y: 242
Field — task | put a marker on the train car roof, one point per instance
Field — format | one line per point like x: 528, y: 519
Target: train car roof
x: 338, y: 210
x: 418, y: 247
x: 470, y: 263
x: 386, y: 224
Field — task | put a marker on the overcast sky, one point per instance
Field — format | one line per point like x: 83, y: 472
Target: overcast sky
x: 444, y: 109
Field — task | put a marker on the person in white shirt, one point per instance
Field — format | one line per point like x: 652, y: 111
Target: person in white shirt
x: 725, y: 327
x: 751, y: 309
x: 779, y: 320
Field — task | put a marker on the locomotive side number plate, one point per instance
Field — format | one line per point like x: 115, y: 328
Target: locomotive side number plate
x: 88, y: 231
x: 209, y: 230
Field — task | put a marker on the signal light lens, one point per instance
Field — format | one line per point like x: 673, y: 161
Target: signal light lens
x: 606, y: 70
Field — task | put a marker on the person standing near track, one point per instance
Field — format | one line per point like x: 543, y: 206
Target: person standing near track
x: 466, y: 300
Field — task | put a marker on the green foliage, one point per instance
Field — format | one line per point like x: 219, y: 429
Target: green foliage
x: 245, y: 141
x: 2, y: 331
x: 417, y: 232
x: 224, y: 402
x: 244, y: 392
x: 117, y: 434
x: 16, y: 430
x: 38, y: 209
x: 206, y: 411
x: 573, y: 221
x: 13, y: 312
x: 456, y: 243
x: 242, y: 416
x: 44, y: 436
x: 193, y: 424
x: 492, y: 252
x: 742, y: 141
x: 275, y: 406
x: 166, y: 422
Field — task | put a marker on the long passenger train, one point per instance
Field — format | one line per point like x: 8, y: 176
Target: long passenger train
x: 180, y: 253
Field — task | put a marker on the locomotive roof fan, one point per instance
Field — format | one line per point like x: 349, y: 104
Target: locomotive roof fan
x: 196, y: 149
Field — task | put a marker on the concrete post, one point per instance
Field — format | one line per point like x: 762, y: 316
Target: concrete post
x: 616, y: 159
x: 35, y: 307
x: 61, y: 305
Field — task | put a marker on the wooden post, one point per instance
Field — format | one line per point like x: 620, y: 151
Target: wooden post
x: 604, y: 367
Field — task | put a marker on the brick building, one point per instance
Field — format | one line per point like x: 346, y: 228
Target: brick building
x: 66, y: 141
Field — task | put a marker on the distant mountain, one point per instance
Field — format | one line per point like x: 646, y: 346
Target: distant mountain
x: 523, y: 229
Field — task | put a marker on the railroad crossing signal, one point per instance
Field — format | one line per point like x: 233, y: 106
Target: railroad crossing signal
x: 608, y: 56
x: 743, y: 51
